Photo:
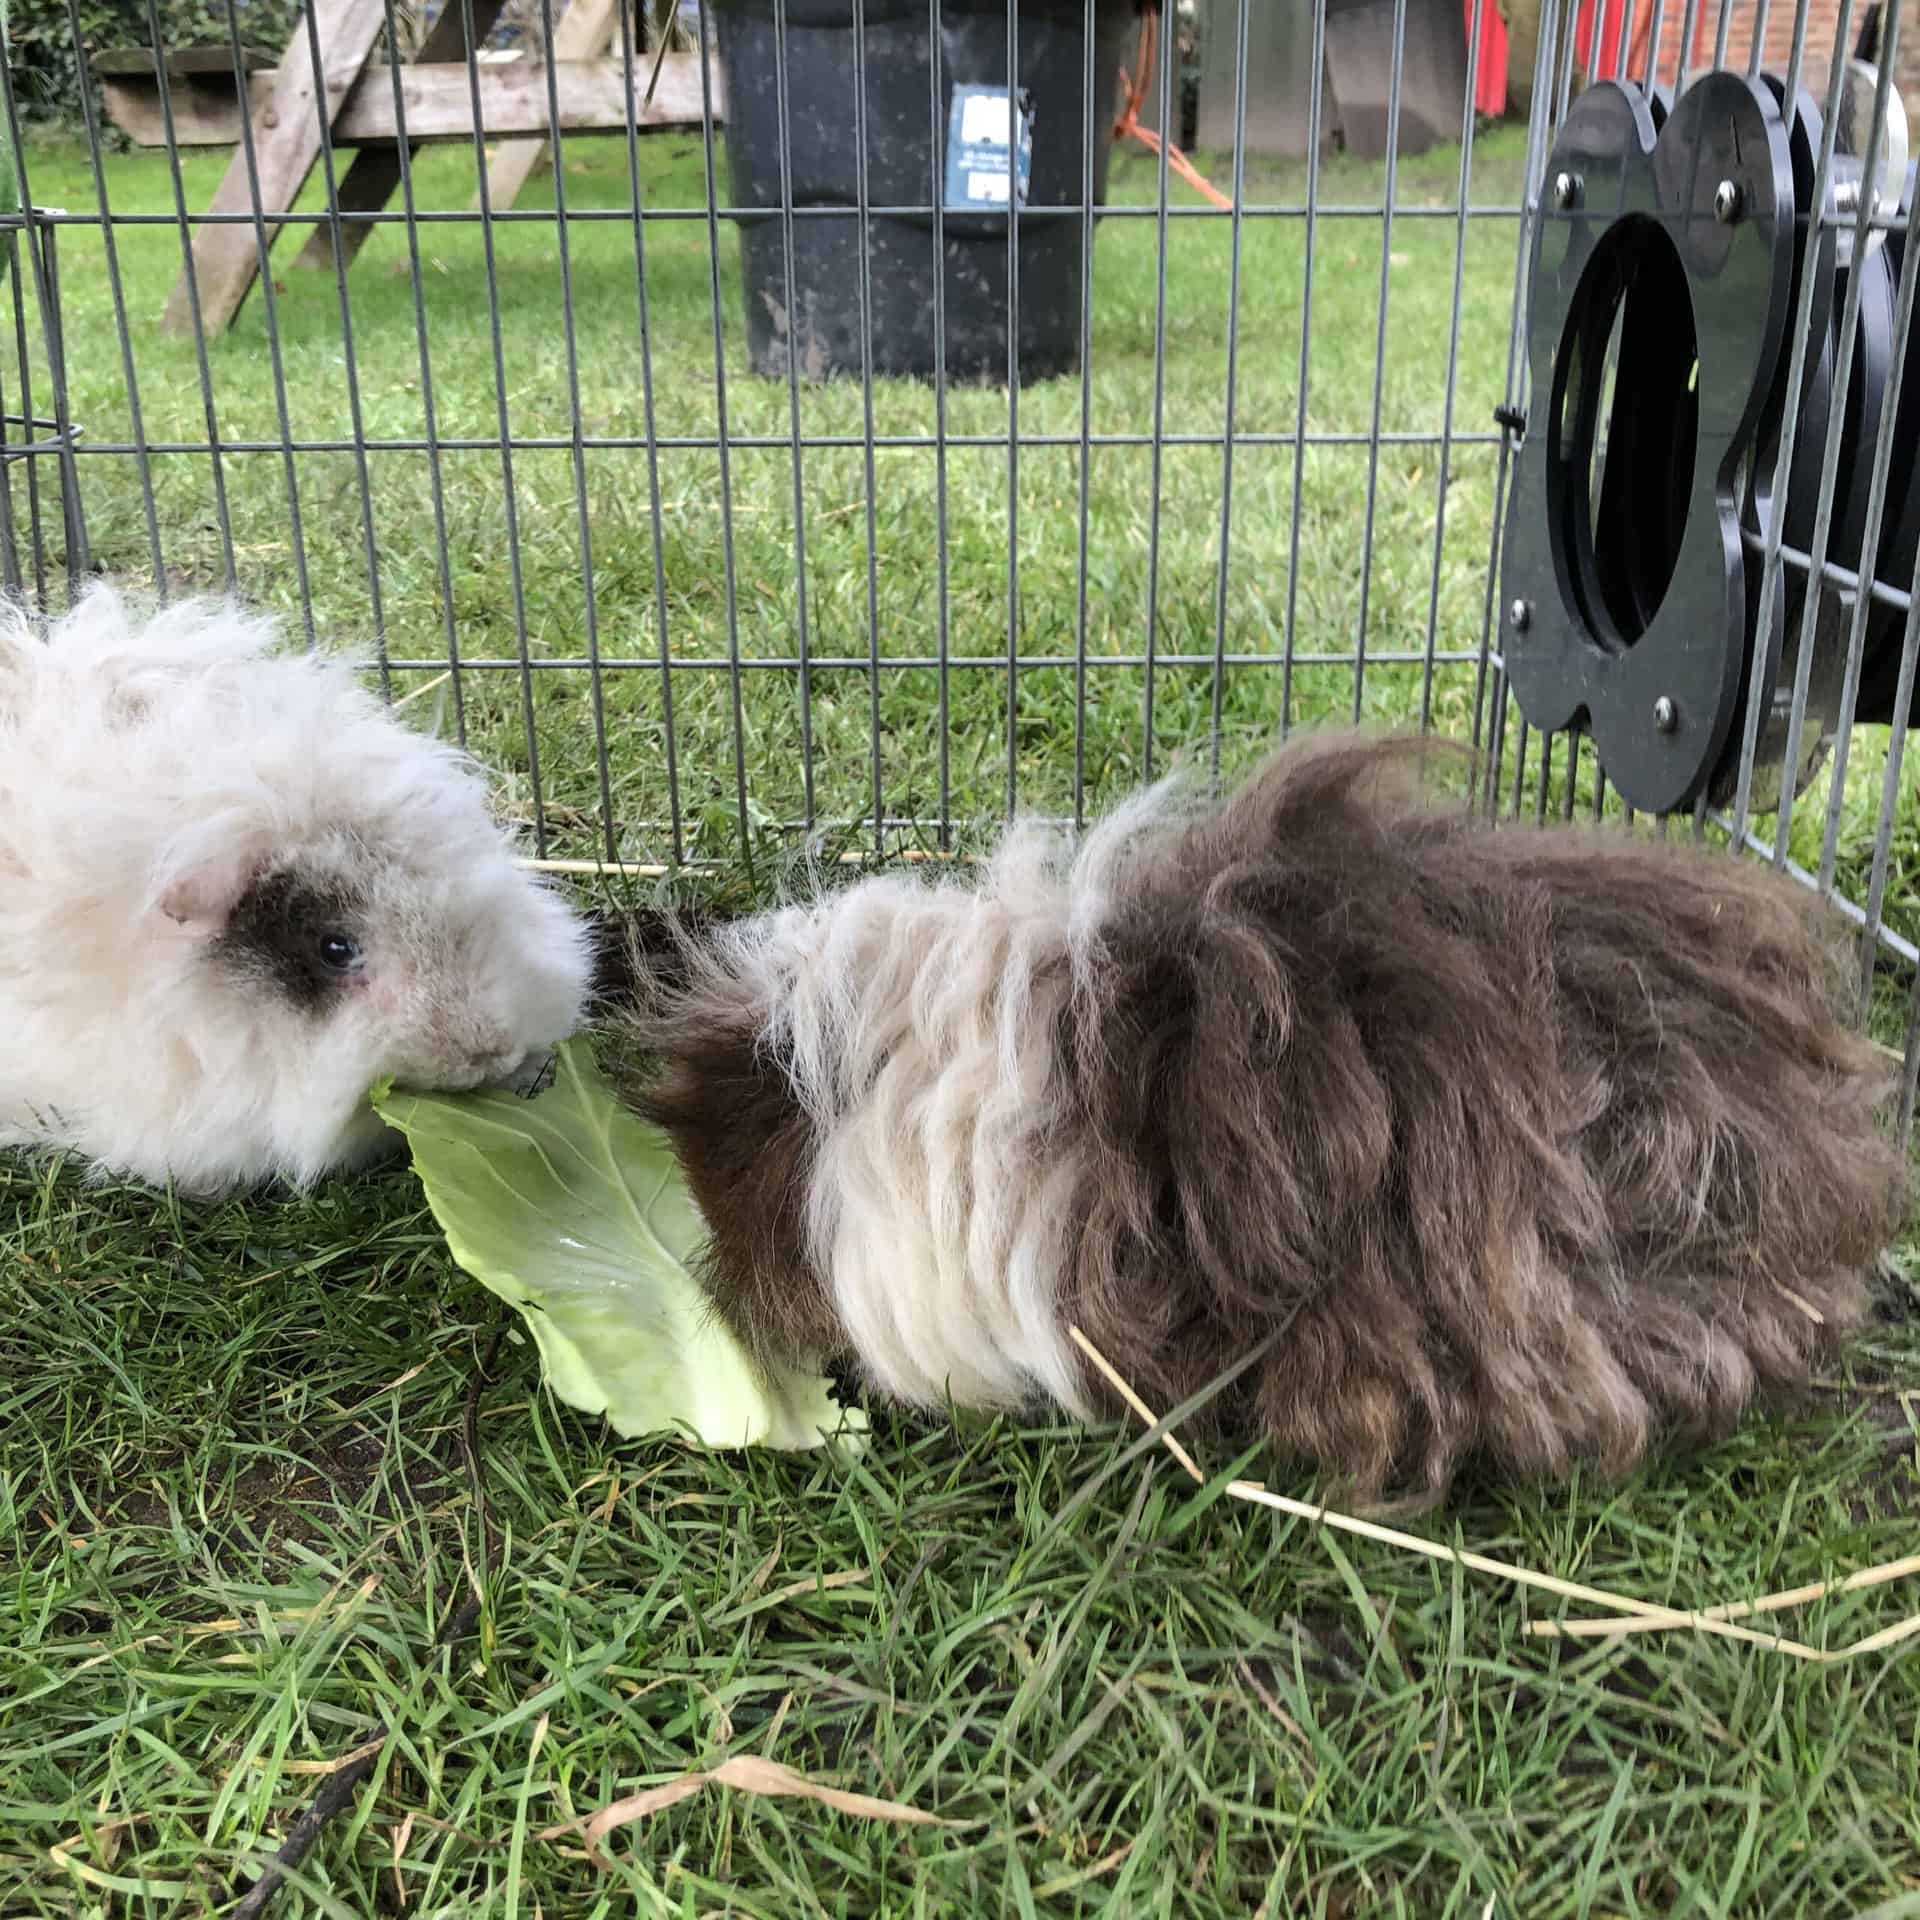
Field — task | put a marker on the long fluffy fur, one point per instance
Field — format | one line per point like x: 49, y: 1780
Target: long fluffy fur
x: 162, y: 778
x: 1545, y: 1147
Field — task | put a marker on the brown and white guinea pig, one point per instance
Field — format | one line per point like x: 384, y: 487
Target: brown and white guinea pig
x: 235, y: 891
x: 1532, y: 1147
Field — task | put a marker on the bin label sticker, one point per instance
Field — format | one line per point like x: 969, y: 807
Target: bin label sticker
x: 977, y: 146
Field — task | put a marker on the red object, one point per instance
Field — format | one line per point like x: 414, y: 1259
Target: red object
x: 1611, y: 63
x: 1624, y: 29
x: 1490, y: 76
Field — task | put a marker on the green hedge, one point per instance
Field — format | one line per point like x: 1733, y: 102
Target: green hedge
x: 48, y: 74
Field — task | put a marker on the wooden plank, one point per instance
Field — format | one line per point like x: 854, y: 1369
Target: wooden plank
x: 183, y: 63
x: 286, y: 144
x: 584, y: 32
x: 203, y: 116
x: 592, y: 94
x: 374, y: 177
x: 513, y: 100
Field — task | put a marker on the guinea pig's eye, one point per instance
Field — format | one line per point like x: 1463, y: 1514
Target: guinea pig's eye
x: 338, y: 952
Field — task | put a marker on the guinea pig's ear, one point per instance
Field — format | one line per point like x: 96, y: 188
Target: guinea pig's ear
x: 203, y: 895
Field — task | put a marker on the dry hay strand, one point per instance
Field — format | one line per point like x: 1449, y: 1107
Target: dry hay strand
x: 1625, y: 1614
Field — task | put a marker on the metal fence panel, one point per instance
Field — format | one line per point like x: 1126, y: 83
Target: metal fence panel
x: 520, y: 456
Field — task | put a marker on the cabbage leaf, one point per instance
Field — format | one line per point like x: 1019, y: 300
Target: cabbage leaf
x: 575, y: 1210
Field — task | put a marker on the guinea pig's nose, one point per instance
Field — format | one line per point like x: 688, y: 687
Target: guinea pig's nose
x: 513, y: 1069
x: 527, y: 1071
x: 491, y: 1054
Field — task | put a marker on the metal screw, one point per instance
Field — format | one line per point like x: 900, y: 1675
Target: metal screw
x: 1566, y: 189
x: 1520, y: 616
x: 1665, y: 715
x: 1726, y: 202
x: 1846, y: 196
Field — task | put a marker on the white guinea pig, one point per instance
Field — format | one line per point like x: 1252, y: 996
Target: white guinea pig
x: 235, y: 892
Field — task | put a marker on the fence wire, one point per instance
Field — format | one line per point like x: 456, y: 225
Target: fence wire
x: 521, y: 456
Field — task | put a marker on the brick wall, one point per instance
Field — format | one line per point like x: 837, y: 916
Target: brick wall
x: 1742, y: 17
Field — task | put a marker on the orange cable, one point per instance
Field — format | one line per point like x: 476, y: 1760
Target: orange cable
x: 1128, y: 123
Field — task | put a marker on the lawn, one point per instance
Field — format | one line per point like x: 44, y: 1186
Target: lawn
x: 252, y: 1461
x: 315, y: 521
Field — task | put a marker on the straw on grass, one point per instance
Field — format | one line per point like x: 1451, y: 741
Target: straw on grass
x: 1642, y: 1614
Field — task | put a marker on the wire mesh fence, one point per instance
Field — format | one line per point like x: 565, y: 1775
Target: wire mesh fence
x: 1186, y: 452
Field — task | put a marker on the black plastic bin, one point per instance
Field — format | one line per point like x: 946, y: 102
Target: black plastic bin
x: 907, y: 166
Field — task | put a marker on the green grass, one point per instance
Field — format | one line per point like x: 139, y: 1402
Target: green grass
x: 1325, y: 597
x: 235, y: 1508
x: 218, y: 1418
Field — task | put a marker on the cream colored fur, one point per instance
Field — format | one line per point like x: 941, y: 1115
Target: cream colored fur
x: 150, y: 770
x: 917, y: 1022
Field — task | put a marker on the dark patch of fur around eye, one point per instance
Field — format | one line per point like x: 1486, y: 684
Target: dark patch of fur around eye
x: 272, y: 938
x: 1534, y: 1147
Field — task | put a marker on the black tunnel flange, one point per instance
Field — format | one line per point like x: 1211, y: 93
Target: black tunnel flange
x: 1624, y: 581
